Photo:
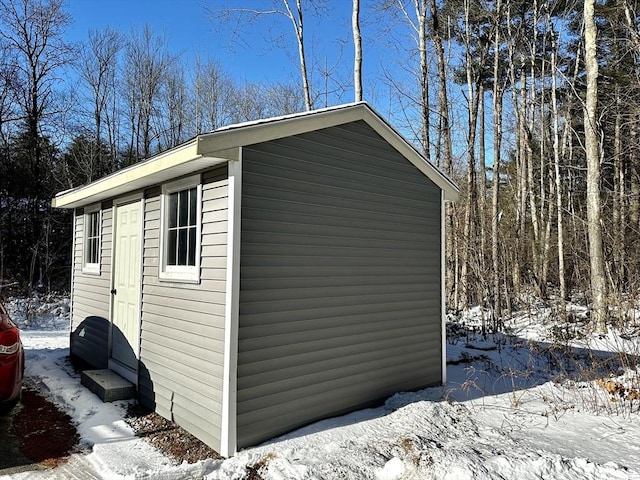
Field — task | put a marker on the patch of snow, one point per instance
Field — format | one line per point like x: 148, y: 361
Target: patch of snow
x: 518, y: 405
x: 392, y: 470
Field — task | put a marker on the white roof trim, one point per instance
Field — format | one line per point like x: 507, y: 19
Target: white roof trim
x: 223, y: 145
x: 386, y: 131
x: 169, y: 165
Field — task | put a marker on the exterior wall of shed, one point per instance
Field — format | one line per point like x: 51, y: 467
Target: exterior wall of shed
x: 340, y: 290
x: 182, y: 324
x: 182, y: 336
x: 90, y: 295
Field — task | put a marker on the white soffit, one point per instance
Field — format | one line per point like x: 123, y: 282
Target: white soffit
x: 169, y: 165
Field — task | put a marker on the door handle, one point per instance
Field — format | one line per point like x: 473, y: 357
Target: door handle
x: 114, y: 291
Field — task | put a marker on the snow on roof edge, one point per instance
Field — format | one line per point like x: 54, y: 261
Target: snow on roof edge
x: 288, y: 116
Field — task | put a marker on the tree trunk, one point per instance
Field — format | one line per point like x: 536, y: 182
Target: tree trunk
x: 473, y: 99
x: 443, y: 102
x: 482, y: 191
x: 445, y: 141
x: 592, y: 151
x: 497, y: 145
x: 357, y: 44
x: 619, y: 216
x: 495, y: 260
x: 297, y: 21
x: 634, y: 205
x: 421, y: 15
x: 518, y: 100
x: 558, y: 180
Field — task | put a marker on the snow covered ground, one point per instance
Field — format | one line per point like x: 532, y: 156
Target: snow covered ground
x: 534, y: 403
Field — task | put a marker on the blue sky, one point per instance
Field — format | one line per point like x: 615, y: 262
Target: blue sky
x: 252, y: 55
x: 189, y: 30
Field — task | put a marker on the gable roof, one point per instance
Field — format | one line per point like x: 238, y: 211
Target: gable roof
x: 224, y: 144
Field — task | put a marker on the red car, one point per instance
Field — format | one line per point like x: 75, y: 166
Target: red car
x: 11, y: 361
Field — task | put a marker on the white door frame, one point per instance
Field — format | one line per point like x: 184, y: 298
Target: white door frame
x: 113, y: 365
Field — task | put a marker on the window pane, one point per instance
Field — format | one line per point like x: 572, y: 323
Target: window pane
x: 94, y: 250
x: 193, y: 207
x: 95, y: 218
x: 92, y: 238
x: 183, y: 208
x: 173, y: 210
x: 182, y: 246
x: 192, y: 246
x: 181, y: 229
x: 171, y: 247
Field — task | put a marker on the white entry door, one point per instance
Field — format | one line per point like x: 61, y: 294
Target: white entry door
x: 126, y: 270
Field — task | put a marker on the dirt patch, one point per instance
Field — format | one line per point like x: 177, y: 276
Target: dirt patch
x: 40, y: 433
x: 178, y: 444
x: 255, y: 471
x: 171, y: 439
x: 44, y: 433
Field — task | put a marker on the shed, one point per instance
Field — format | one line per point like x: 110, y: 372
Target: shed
x: 265, y: 275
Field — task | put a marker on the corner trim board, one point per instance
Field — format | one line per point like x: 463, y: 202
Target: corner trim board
x: 228, y: 434
x: 443, y: 289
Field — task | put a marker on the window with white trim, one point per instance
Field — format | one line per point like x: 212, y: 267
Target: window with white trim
x: 181, y: 225
x: 91, y: 241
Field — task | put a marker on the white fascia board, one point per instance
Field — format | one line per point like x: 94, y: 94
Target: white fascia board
x: 396, y: 140
x: 166, y: 166
x: 279, y: 127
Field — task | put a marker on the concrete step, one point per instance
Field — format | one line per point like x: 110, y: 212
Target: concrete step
x: 108, y: 385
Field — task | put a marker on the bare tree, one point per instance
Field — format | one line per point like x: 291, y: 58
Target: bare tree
x: 592, y: 151
x: 282, y: 99
x: 297, y: 22
x: 498, y: 92
x: 416, y: 18
x: 98, y: 67
x: 357, y: 45
x: 8, y: 84
x: 146, y: 65
x: 171, y: 123
x: 8, y: 115
x: 517, y: 101
x: 33, y: 31
x: 213, y: 96
x: 555, y: 116
x: 294, y: 12
x: 249, y: 103
x: 473, y: 77
x: 444, y: 159
x: 444, y: 124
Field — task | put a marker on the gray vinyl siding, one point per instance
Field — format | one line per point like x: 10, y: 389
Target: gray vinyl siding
x: 340, y: 293
x: 182, y: 336
x: 91, y: 297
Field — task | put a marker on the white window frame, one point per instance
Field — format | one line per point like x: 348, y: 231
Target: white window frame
x: 90, y: 267
x: 180, y: 273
